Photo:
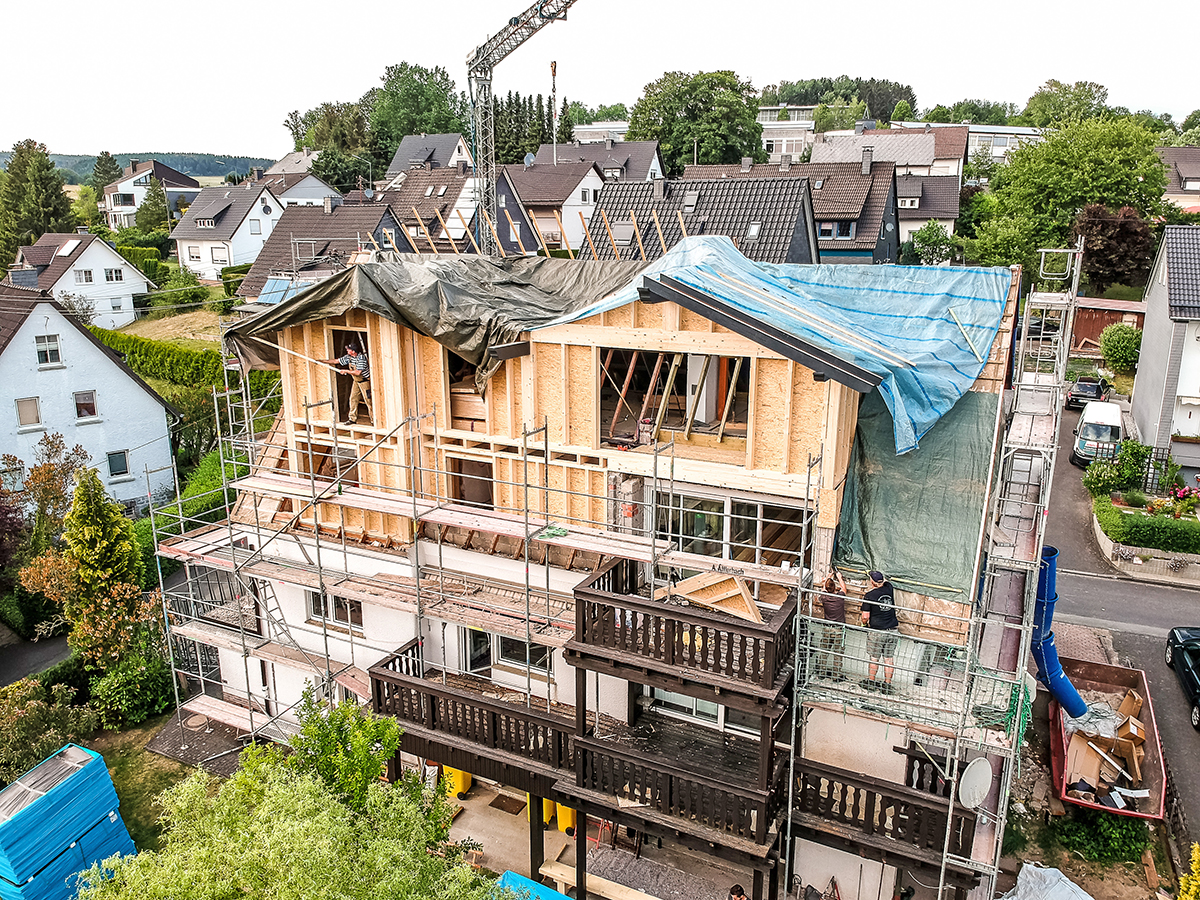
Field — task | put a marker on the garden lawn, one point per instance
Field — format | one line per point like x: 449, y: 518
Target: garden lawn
x: 195, y: 330
x: 140, y: 776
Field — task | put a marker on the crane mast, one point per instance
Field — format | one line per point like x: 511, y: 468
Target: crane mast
x: 480, y: 65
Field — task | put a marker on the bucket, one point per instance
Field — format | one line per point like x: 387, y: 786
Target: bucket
x: 1048, y: 573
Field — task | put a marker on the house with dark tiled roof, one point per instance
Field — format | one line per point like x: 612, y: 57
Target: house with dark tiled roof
x: 1166, y: 394
x: 435, y: 206
x: 226, y: 225
x: 915, y: 151
x: 854, y: 204
x: 57, y: 378
x: 429, y: 151
x: 66, y: 266
x: 617, y: 160
x: 924, y: 198
x: 768, y: 219
x: 559, y: 199
x: 1183, y: 176
x: 949, y: 148
x: 310, y: 243
x: 122, y: 198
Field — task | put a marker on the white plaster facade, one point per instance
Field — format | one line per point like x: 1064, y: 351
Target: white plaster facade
x: 102, y: 275
x: 207, y: 257
x: 47, y: 372
x: 310, y: 191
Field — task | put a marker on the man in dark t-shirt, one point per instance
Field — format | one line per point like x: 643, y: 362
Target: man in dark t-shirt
x: 879, y: 614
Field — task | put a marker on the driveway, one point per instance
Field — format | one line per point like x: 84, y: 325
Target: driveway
x: 30, y: 657
x: 1069, y: 524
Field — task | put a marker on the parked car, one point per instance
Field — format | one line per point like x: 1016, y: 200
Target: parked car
x: 1099, y: 426
x: 1085, y: 389
x: 1183, y: 655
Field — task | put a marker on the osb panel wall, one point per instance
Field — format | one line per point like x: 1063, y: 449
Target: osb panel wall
x: 550, y: 393
x: 581, y: 397
x: 769, y: 414
x: 807, y: 408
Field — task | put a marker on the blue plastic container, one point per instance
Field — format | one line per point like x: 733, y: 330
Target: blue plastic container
x: 1050, y: 673
x: 1048, y: 573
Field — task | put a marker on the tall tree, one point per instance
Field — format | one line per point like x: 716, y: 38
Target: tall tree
x: 709, y: 115
x: 613, y: 112
x: 1118, y: 247
x: 105, y: 172
x: 414, y: 100
x: 838, y: 114
x: 1192, y: 121
x: 86, y: 209
x: 152, y: 214
x: 46, y: 490
x: 1058, y: 103
x: 566, y: 128
x: 902, y: 112
x: 32, y: 202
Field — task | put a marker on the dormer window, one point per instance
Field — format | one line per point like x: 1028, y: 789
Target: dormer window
x: 909, y: 202
x: 690, y: 199
x: 206, y: 223
x: 612, y: 174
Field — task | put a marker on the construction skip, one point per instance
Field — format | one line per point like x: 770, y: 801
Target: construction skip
x: 574, y: 547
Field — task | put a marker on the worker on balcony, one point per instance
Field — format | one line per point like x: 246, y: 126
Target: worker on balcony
x: 833, y: 636
x: 879, y: 615
x: 355, y: 364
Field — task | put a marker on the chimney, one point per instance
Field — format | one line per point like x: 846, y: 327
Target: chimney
x: 608, y: 142
x: 868, y: 152
x: 81, y: 229
x: 258, y: 173
x: 785, y: 162
x: 26, y: 278
x: 462, y: 167
x: 660, y: 189
x: 133, y: 164
x: 747, y: 162
x: 329, y: 204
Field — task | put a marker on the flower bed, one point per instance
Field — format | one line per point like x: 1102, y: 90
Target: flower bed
x: 1143, y: 528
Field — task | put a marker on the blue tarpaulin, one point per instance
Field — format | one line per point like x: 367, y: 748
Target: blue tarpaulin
x: 925, y: 330
x: 56, y: 821
x: 526, y: 887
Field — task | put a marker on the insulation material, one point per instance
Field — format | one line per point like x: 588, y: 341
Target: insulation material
x: 1037, y: 883
x: 912, y: 515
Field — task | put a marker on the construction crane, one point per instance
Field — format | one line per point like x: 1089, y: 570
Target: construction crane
x: 480, y: 65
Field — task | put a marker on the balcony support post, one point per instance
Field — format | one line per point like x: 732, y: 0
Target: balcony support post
x: 537, y: 838
x: 581, y: 842
x: 756, y: 892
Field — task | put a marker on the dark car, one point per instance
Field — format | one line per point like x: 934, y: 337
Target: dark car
x: 1087, y: 388
x: 1183, y: 655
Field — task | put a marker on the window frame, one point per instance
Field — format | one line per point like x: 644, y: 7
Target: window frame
x: 193, y: 253
x: 37, y: 406
x: 825, y: 230
x: 346, y: 613
x: 94, y: 414
x: 52, y: 349
x: 212, y: 253
x: 113, y: 276
x: 108, y: 458
x: 843, y: 225
x: 255, y: 226
x: 83, y: 276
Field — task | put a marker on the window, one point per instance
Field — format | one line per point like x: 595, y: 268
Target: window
x: 429, y: 191
x: 769, y: 146
x: 85, y: 404
x: 514, y: 232
x: 909, y: 202
x: 256, y: 226
x: 206, y: 223
x: 11, y: 478
x: 480, y: 649
x: 752, y: 231
x: 335, y: 609
x: 512, y: 651
x: 220, y: 255
x: 622, y: 234
x: 389, y: 238
x: 500, y: 200
x: 442, y: 191
x: 305, y: 249
x: 111, y: 275
x: 118, y: 463
x: 845, y: 229
x: 47, y: 349
x: 122, y: 200
x: 29, y: 412
x: 999, y: 141
x: 145, y: 179
x: 825, y: 230
x: 704, y: 712
x: 583, y: 195
x: 193, y: 253
x: 612, y: 174
x: 83, y: 276
x: 737, y: 528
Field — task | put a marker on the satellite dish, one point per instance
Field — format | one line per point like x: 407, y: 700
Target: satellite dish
x: 975, y: 782
x: 368, y: 193
x: 529, y: 158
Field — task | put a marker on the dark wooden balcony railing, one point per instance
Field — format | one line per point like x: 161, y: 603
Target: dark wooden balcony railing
x: 608, y: 618
x: 490, y: 724
x: 878, y: 809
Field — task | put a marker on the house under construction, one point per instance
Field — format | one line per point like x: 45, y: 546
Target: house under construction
x: 576, y: 547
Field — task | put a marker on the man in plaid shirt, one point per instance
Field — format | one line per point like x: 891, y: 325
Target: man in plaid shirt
x: 356, y: 365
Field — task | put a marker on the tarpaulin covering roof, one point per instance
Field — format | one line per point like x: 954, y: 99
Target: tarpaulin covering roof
x: 921, y: 333
x: 935, y: 492
x: 56, y: 820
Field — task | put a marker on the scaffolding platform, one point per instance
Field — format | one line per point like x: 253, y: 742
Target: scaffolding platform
x: 239, y: 717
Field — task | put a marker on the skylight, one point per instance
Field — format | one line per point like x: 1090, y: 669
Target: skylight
x: 68, y: 248
x: 429, y: 191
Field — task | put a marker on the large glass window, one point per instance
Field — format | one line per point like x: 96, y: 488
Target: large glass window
x: 735, y: 528
x: 704, y: 712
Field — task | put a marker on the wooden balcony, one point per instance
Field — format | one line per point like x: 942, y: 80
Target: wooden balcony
x: 621, y: 633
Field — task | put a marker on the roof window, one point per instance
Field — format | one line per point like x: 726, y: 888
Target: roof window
x: 752, y: 231
x: 690, y: 199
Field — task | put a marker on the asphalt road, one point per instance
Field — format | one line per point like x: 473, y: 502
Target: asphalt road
x: 30, y: 657
x: 1092, y: 592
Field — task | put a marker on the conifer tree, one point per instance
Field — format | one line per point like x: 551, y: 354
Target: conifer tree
x: 32, y: 201
x: 566, y: 128
x: 105, y: 172
x: 152, y: 214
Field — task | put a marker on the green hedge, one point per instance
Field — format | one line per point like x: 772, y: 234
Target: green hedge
x: 147, y: 260
x: 194, y: 368
x: 1152, y: 532
x: 231, y: 277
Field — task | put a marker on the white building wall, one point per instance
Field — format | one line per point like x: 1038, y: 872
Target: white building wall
x: 908, y: 226
x: 573, y: 229
x: 856, y: 743
x: 1186, y: 418
x: 127, y: 417
x: 113, y: 299
x: 858, y: 878
x: 243, y: 247
x: 309, y: 192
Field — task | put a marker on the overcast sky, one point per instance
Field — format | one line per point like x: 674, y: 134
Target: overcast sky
x: 219, y: 77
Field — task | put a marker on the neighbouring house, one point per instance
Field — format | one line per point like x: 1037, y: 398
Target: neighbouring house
x: 294, y: 163
x: 593, y: 132
x: 83, y: 266
x: 122, y: 198
x: 56, y: 377
x: 436, y: 208
x: 1183, y: 176
x: 559, y: 198
x: 298, y: 188
x: 768, y: 219
x: 786, y: 130
x: 854, y: 204
x: 429, y: 151
x: 950, y: 149
x: 311, y: 243
x: 571, y: 551
x: 997, y: 140
x: 617, y: 160
x: 1166, y: 392
x: 921, y: 199
x: 226, y: 225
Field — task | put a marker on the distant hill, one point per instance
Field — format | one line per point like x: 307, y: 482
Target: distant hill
x: 77, y: 169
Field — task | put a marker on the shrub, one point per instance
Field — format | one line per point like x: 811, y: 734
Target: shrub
x: 1102, y: 478
x: 1136, y: 499
x: 135, y: 689
x: 1120, y: 344
x: 1153, y: 532
x: 231, y: 277
x: 35, y: 722
x: 1102, y: 837
x: 23, y: 611
x: 72, y: 672
x: 143, y: 532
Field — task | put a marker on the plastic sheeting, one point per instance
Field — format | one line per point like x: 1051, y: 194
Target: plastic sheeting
x: 925, y: 330
x: 942, y: 321
x: 935, y: 492
x: 1037, y: 883
x: 526, y: 887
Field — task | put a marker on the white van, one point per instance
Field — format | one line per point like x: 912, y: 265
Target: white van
x: 1099, y: 425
